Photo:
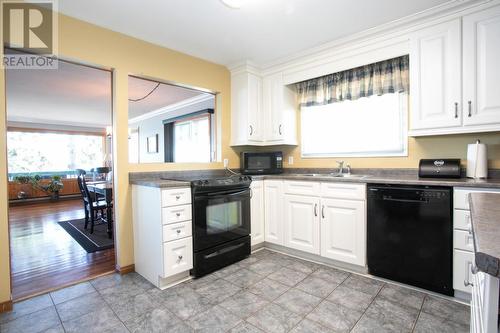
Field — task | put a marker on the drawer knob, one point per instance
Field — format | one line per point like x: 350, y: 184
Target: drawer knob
x: 178, y: 231
x: 178, y: 214
x: 177, y: 197
x: 467, y: 283
x: 180, y: 258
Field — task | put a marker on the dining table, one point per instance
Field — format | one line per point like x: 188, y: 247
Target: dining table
x: 104, y: 189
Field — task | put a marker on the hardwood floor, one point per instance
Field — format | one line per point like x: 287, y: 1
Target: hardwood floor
x: 43, y: 255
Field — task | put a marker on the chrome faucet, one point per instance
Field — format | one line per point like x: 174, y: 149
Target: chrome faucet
x: 348, y: 166
x: 341, y: 167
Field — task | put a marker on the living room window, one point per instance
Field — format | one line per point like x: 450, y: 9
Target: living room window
x: 50, y: 152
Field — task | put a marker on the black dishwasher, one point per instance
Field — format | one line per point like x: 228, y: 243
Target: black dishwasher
x: 410, y: 235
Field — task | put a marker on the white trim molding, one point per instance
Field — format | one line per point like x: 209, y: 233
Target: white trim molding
x: 172, y: 107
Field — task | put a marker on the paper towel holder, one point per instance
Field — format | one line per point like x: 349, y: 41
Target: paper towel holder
x: 477, y: 160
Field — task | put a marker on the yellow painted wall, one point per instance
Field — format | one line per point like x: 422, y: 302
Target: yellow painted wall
x: 4, y: 227
x: 87, y: 43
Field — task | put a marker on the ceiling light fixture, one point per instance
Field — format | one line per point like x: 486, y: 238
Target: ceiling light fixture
x: 233, y: 4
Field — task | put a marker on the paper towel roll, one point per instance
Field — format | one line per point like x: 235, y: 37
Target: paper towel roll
x: 477, y: 160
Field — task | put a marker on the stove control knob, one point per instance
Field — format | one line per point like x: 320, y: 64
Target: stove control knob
x: 199, y: 182
x: 241, y: 178
x: 205, y: 182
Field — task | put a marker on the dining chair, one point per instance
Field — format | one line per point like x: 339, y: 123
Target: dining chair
x: 92, y: 206
x: 100, y: 173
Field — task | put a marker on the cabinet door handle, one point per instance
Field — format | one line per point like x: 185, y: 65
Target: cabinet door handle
x: 470, y: 108
x: 467, y: 283
x: 279, y: 129
x: 323, y: 211
x: 315, y: 209
x: 456, y: 110
x: 251, y: 129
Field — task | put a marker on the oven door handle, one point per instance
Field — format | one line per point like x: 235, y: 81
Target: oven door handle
x: 224, y: 194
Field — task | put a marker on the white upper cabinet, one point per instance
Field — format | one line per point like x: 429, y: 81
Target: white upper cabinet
x: 263, y: 110
x: 436, y: 76
x: 279, y: 110
x: 246, y: 105
x: 455, y: 76
x: 302, y: 223
x: 481, y: 67
x: 257, y: 212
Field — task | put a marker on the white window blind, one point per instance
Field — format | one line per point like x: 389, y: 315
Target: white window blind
x: 369, y: 126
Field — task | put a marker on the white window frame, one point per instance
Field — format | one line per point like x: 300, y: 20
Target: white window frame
x: 404, y: 105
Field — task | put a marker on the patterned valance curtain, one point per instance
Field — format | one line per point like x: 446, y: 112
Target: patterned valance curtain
x: 379, y: 78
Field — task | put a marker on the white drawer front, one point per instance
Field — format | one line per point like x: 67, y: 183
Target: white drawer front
x: 175, y: 196
x: 461, y: 196
x: 462, y: 262
x: 461, y: 219
x: 176, y: 214
x: 343, y: 191
x: 177, y: 231
x: 462, y: 240
x: 177, y: 256
x: 302, y: 188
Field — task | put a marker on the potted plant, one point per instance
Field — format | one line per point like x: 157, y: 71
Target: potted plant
x: 53, y: 187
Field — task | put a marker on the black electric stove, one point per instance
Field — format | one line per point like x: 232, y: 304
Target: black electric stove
x: 221, y: 221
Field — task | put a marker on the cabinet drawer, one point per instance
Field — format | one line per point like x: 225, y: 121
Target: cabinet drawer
x: 462, y: 262
x: 343, y: 191
x: 176, y: 214
x: 461, y: 196
x: 462, y: 240
x: 301, y: 188
x: 177, y: 256
x: 176, y: 196
x: 177, y: 231
x: 461, y: 219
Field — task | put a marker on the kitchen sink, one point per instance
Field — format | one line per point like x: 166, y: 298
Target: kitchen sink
x: 345, y: 175
x: 333, y: 175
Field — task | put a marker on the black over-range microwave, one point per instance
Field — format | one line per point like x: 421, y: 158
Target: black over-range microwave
x: 261, y: 163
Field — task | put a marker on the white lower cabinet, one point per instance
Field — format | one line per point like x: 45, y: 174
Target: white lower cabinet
x: 257, y: 212
x: 273, y: 211
x: 302, y: 222
x: 463, y: 244
x: 326, y: 219
x: 484, y: 303
x: 177, y: 256
x: 343, y: 230
x: 463, y: 261
x: 163, y: 242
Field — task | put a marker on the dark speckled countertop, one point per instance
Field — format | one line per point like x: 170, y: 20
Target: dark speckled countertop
x: 397, y: 176
x: 485, y: 216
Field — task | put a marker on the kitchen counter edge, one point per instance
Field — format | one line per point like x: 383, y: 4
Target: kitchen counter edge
x: 397, y: 180
x: 485, y: 220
